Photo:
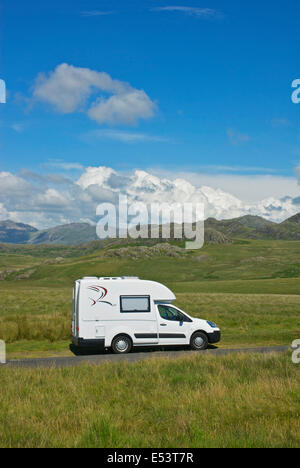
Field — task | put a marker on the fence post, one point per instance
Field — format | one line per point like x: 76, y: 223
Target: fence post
x: 2, y: 352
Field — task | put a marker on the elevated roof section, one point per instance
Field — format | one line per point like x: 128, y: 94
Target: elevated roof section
x: 129, y: 285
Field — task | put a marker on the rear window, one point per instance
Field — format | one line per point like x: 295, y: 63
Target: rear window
x: 135, y: 304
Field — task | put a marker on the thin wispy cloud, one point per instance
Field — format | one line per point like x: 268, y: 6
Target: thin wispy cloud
x: 239, y: 169
x: 121, y: 136
x: 96, y: 13
x: 18, y: 127
x: 280, y: 123
x: 192, y: 11
x: 66, y: 166
x: 237, y: 138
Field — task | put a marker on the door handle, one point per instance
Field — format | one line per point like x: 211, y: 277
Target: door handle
x: 163, y: 324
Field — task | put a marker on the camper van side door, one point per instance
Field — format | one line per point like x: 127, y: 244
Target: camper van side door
x: 173, y: 326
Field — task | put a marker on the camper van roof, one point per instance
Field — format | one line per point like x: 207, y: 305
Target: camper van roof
x: 107, y: 278
x: 131, y: 285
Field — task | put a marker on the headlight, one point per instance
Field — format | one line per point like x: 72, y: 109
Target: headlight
x: 212, y: 324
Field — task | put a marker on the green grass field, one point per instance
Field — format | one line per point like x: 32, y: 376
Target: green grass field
x: 37, y: 322
x: 203, y: 401
x: 250, y: 288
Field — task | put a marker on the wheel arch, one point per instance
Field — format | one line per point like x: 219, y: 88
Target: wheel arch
x: 199, y: 331
x: 118, y: 339
x: 121, y: 334
x: 117, y: 331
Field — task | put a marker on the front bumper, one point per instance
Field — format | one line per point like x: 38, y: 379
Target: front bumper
x: 214, y: 337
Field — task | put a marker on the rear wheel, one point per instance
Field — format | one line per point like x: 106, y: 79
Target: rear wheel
x: 199, y: 341
x: 121, y: 344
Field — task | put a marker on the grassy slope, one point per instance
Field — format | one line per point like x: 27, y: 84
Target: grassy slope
x: 240, y: 401
x: 249, y: 288
x: 251, y: 260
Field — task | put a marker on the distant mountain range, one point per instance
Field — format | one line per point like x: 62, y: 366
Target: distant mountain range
x: 218, y: 232
x: 15, y: 233
x: 69, y: 234
x: 255, y: 227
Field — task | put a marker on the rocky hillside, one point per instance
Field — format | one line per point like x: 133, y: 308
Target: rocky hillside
x: 157, y: 250
x: 15, y: 233
x: 255, y: 227
x: 69, y: 234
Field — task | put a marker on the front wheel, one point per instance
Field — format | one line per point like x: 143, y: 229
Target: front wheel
x: 199, y: 341
x: 121, y: 344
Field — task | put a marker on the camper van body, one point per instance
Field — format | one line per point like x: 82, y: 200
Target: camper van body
x: 107, y: 308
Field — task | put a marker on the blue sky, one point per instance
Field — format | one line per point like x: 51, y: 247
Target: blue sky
x: 222, y: 84
x: 216, y: 80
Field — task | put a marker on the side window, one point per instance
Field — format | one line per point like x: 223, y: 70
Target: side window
x: 134, y: 304
x: 169, y: 313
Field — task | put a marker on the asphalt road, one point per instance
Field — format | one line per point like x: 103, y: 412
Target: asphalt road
x: 137, y: 355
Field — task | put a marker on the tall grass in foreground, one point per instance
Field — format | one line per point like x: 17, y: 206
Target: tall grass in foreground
x: 233, y: 401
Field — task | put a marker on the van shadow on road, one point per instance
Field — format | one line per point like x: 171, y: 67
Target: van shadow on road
x: 136, y: 350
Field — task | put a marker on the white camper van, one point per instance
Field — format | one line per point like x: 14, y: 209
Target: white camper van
x: 121, y: 313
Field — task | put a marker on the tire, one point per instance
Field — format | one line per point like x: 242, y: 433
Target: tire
x: 122, y: 344
x: 199, y: 341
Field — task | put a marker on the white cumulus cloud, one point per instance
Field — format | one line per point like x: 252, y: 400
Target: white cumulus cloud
x: 95, y: 176
x: 124, y: 108
x: 48, y: 200
x: 68, y: 89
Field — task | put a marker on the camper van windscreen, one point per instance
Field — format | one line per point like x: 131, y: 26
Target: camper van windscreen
x: 129, y: 304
